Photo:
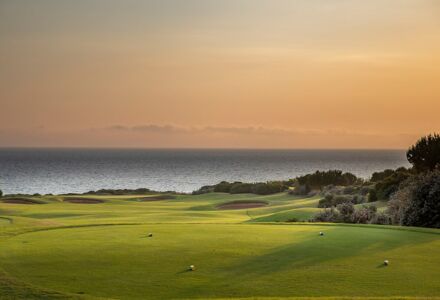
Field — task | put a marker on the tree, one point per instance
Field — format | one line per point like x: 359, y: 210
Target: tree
x: 267, y: 188
x: 240, y: 188
x: 424, y: 206
x: 319, y: 179
x: 379, y: 176
x: 417, y: 202
x: 425, y: 154
x: 223, y: 187
x: 388, y: 186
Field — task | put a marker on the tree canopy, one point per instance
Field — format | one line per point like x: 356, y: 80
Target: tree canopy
x: 417, y: 203
x: 425, y: 154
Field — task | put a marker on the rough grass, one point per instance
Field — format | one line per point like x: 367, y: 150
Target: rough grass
x: 63, y: 250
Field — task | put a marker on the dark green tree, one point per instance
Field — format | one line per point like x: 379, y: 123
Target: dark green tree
x: 223, y: 187
x: 372, y: 196
x: 425, y: 154
x: 423, y: 207
x: 319, y: 179
x: 388, y: 186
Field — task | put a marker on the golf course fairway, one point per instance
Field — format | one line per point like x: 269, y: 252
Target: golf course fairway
x: 61, y: 250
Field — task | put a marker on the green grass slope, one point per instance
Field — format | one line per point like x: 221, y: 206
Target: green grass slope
x: 61, y: 250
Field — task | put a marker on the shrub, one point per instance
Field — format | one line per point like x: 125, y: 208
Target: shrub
x: 371, y: 208
x: 332, y: 189
x: 301, y: 190
x: 319, y: 179
x: 203, y: 190
x: 268, y: 188
x: 240, y: 188
x: 327, y: 201
x: 425, y: 154
x: 223, y: 187
x: 389, y: 185
x: 327, y: 215
x: 400, y: 201
x: 379, y: 176
x: 260, y: 188
x: 346, y: 211
x: 364, y: 190
x: 139, y: 191
x: 372, y: 196
x: 292, y: 220
x: 363, y: 215
x: 381, y: 219
x: 331, y: 200
x: 342, y: 199
x: 357, y: 199
x: 349, y: 190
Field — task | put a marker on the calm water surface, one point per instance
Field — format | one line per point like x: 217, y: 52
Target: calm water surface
x: 80, y: 170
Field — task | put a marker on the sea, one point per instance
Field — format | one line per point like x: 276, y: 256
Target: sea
x: 58, y: 171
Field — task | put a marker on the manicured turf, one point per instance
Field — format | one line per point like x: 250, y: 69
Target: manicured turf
x: 70, y: 250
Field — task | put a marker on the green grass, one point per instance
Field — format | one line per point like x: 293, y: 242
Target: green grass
x: 63, y: 250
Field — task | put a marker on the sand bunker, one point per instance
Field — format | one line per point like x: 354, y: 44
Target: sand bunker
x: 83, y: 200
x: 20, y: 200
x: 158, y: 198
x: 242, y: 204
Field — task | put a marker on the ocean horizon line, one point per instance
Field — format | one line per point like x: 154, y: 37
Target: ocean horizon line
x: 191, y: 148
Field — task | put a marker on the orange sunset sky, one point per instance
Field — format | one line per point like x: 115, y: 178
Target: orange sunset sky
x: 225, y: 73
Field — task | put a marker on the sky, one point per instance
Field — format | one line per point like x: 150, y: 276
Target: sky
x: 219, y: 74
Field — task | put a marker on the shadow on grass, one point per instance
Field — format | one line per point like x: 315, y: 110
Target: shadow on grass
x: 184, y: 271
x: 314, y: 250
